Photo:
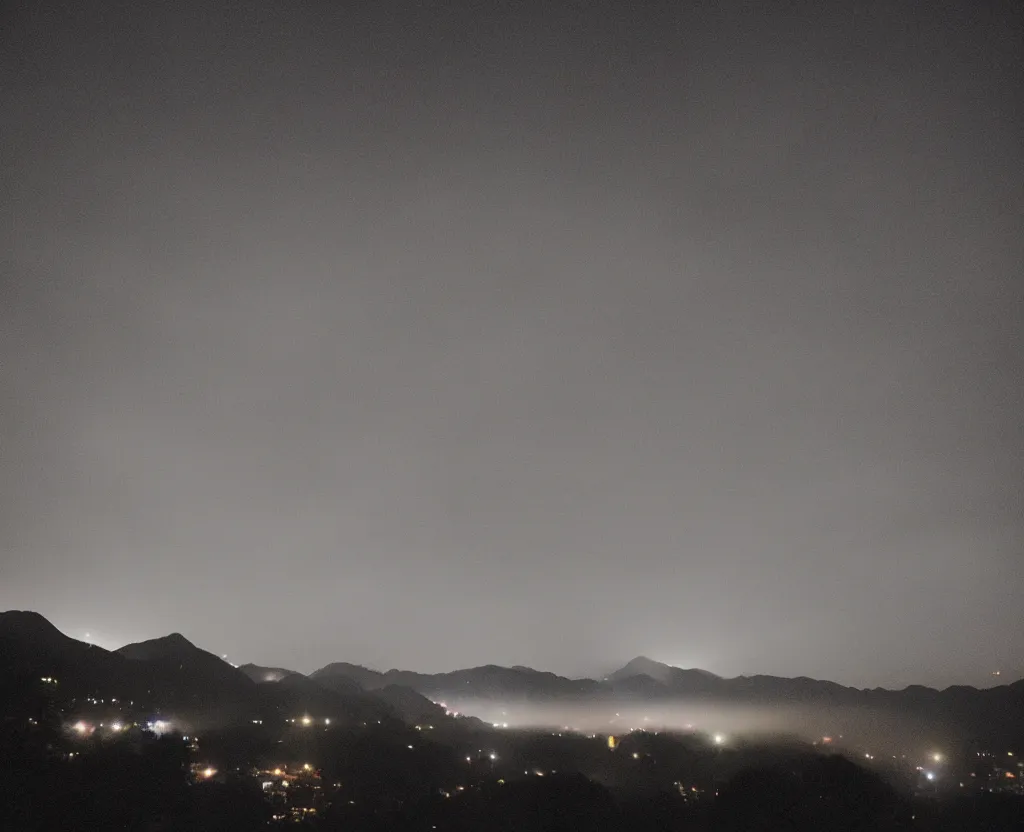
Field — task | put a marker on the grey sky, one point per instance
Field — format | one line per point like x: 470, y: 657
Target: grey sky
x: 429, y: 339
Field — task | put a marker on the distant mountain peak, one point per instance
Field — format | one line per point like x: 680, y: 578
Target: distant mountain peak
x: 642, y: 666
x: 174, y: 645
x: 362, y: 676
x: 659, y: 671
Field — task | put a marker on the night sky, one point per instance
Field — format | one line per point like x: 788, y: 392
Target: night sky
x: 440, y: 334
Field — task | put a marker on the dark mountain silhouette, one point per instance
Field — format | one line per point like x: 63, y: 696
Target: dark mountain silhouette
x: 31, y: 648
x: 265, y: 674
x: 190, y: 680
x: 362, y: 676
x: 685, y: 680
x: 180, y: 658
x: 411, y: 706
x: 488, y: 681
x: 989, y: 715
x: 175, y: 675
x: 641, y: 686
x: 344, y: 702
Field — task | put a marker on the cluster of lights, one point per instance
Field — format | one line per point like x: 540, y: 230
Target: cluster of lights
x: 82, y: 728
x: 305, y: 721
x: 48, y: 680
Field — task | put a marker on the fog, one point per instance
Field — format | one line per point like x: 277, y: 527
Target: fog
x: 861, y: 729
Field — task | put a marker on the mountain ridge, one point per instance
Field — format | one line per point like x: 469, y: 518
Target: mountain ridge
x: 28, y: 622
x: 176, y: 674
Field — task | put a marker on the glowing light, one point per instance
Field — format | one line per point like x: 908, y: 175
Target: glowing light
x: 209, y: 772
x: 308, y: 767
x: 116, y: 726
x: 277, y: 772
x: 307, y: 720
x: 930, y: 775
x: 636, y: 756
x: 937, y: 757
x: 493, y: 756
x: 719, y: 739
x: 327, y: 722
x: 81, y: 727
x: 612, y: 742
